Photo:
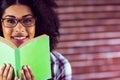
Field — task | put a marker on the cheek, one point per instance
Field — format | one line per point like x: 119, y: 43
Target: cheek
x: 7, y: 32
x: 31, y: 32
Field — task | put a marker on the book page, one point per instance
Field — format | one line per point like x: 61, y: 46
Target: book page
x: 36, y: 54
x: 7, y: 55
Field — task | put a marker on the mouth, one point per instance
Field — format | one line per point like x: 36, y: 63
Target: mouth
x: 18, y: 40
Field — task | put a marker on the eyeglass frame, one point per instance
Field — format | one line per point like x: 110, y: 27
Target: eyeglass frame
x: 18, y: 20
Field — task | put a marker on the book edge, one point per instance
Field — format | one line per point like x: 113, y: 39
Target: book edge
x: 10, y: 44
x: 35, y: 38
x: 5, y: 41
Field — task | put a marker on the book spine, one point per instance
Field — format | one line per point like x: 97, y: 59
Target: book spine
x: 17, y: 63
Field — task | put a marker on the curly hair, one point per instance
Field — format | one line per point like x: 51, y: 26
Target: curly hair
x: 47, y: 20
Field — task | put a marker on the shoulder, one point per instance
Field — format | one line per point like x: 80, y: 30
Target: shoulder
x: 60, y: 65
x: 56, y: 57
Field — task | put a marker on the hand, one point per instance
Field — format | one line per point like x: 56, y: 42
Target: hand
x: 26, y: 73
x: 6, y: 72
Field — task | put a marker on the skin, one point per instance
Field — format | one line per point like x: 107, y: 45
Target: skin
x: 18, y: 11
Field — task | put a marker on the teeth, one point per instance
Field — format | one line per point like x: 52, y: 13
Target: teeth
x: 19, y: 38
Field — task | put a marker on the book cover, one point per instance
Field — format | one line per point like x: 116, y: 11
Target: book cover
x: 34, y: 53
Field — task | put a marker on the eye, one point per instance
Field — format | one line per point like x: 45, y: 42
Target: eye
x: 10, y: 21
x: 27, y: 21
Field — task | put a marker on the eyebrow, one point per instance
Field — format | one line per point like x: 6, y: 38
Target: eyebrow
x: 27, y: 15
x: 9, y: 16
x: 22, y: 16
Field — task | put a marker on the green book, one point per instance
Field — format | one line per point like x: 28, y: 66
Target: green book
x: 34, y: 53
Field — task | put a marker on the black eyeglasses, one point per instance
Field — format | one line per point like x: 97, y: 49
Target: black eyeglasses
x: 12, y: 22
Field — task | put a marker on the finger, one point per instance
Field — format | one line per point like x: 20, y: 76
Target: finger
x: 31, y: 73
x: 27, y: 73
x: 22, y: 75
x: 2, y: 71
x: 6, y: 72
x: 10, y: 74
x: 16, y: 78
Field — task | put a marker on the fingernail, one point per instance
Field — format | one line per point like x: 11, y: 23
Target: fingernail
x: 25, y: 67
x: 16, y: 78
x: 4, y: 64
x: 28, y: 67
x: 9, y: 64
x: 21, y: 71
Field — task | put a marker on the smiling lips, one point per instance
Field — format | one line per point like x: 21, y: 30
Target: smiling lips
x: 19, y: 39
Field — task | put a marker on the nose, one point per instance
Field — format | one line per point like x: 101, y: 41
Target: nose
x: 19, y: 28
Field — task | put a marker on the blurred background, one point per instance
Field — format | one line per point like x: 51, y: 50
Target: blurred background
x: 90, y: 38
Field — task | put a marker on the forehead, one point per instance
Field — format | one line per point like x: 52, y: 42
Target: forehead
x: 17, y: 10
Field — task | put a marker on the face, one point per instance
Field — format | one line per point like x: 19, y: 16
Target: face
x: 16, y: 24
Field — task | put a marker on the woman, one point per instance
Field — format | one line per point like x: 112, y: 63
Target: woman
x: 22, y: 20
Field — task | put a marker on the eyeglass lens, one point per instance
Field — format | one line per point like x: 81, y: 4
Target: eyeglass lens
x: 12, y: 22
